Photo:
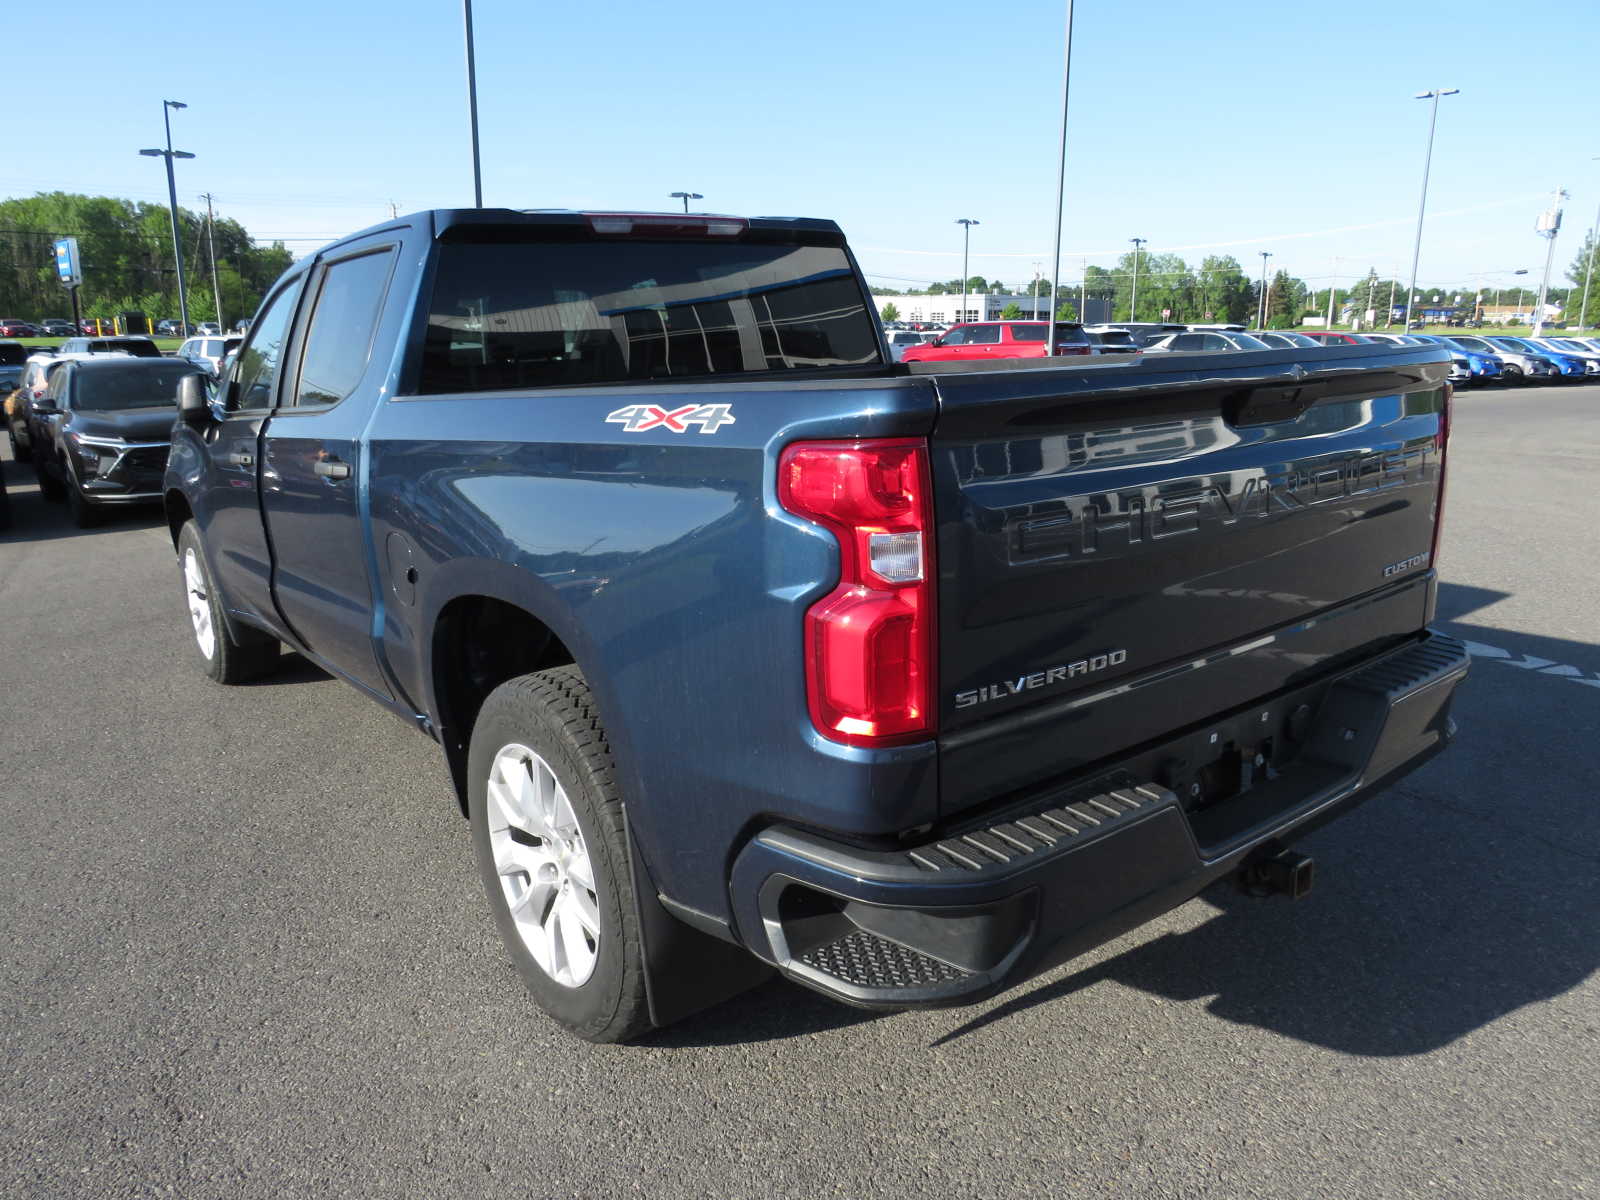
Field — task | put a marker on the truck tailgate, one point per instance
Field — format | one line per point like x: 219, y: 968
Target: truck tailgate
x: 1176, y: 534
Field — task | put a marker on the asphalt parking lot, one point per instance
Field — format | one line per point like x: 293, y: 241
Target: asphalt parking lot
x: 246, y: 953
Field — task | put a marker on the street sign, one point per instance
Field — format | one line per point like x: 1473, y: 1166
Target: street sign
x: 1166, y: 314
x: 67, y: 266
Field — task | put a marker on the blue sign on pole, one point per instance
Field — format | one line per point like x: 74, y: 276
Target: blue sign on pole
x: 67, y: 262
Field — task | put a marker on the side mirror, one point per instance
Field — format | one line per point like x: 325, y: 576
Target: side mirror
x: 194, y: 405
x: 42, y: 405
x: 938, y: 341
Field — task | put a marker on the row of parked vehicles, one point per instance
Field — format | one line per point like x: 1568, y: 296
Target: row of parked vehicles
x: 94, y: 419
x: 1488, y: 358
x: 14, y: 327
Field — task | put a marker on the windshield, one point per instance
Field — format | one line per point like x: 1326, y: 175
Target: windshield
x: 144, y: 386
x: 13, y: 354
x: 1474, y: 343
x: 1511, y: 344
x: 564, y: 313
x: 1244, y: 341
x: 1568, y: 344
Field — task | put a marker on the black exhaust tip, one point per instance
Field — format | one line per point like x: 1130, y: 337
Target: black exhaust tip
x: 1285, y: 873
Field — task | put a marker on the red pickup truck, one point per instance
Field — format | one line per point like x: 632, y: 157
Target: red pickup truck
x: 980, y: 340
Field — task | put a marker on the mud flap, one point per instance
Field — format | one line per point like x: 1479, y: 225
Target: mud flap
x: 686, y: 970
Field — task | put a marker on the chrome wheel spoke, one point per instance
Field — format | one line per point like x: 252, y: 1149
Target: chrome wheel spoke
x: 581, y: 871
x: 585, y: 910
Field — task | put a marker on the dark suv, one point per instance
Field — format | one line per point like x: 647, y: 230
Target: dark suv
x: 101, y: 432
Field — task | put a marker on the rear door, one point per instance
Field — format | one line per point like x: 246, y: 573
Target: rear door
x: 311, y: 478
x: 1104, y: 527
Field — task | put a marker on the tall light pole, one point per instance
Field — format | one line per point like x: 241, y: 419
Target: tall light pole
x: 472, y: 105
x: 1133, y: 301
x: 1333, y: 287
x: 1261, y: 310
x: 1061, y: 189
x: 1422, y: 205
x: 686, y: 197
x: 1036, y: 266
x: 966, y: 239
x: 172, y: 204
x: 1588, y: 272
x: 1549, y: 225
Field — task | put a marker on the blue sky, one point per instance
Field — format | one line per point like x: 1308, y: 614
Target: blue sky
x: 1204, y: 128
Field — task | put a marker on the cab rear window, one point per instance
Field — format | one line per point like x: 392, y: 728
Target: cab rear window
x: 567, y: 313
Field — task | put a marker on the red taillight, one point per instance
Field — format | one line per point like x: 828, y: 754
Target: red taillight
x: 1442, y: 442
x: 869, y: 642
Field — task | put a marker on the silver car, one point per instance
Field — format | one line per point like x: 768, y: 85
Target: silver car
x: 1210, y: 339
x: 1460, y: 366
x: 208, y: 352
x: 1518, y: 360
x: 1285, y: 337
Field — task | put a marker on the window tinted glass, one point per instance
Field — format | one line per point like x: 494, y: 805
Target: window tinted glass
x: 983, y: 335
x: 954, y: 337
x: 1188, y: 341
x: 342, y: 327
x: 12, y: 354
x: 258, y: 364
x: 564, y: 313
x: 141, y: 385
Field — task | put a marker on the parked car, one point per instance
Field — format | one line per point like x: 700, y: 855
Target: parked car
x: 1112, y: 341
x: 1480, y: 367
x: 13, y: 359
x: 14, y: 327
x: 1284, y: 338
x: 1589, y: 343
x: 102, y: 432
x: 208, y: 327
x: 1208, y: 340
x: 137, y: 345
x: 36, y: 370
x: 208, y: 352
x: 708, y: 705
x: 978, y: 340
x: 1564, y: 367
x: 56, y: 327
x: 1571, y: 347
x: 1335, y: 337
x: 1518, y: 363
x: 1143, y: 332
x: 1460, y: 363
x: 900, y: 340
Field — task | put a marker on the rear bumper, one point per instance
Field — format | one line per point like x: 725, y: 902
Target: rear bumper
x: 981, y: 909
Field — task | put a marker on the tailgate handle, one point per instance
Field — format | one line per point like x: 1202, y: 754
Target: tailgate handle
x: 1268, y: 403
x: 331, y: 468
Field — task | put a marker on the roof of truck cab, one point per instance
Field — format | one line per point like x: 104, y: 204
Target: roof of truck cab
x: 445, y: 219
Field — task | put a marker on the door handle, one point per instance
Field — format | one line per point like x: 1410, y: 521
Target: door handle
x: 332, y: 468
x: 238, y: 458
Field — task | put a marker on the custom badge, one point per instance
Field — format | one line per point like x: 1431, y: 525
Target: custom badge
x: 638, y: 418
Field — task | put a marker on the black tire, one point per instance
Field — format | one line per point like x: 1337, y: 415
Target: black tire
x: 1511, y: 376
x: 234, y: 658
x: 49, y: 486
x: 85, y: 513
x: 18, y: 451
x: 553, y: 713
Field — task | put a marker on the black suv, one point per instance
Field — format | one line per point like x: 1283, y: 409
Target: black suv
x: 101, y: 432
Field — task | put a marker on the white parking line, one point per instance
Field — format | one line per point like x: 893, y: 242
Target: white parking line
x: 1528, y: 662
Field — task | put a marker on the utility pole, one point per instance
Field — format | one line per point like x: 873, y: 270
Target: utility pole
x: 1083, y: 292
x: 1061, y: 189
x: 966, y: 240
x: 1261, y: 312
x: 1422, y: 205
x: 472, y: 105
x: 1333, y: 286
x: 394, y: 210
x: 686, y: 197
x: 211, y: 247
x: 1133, y: 301
x: 1036, y: 277
x: 1549, y: 224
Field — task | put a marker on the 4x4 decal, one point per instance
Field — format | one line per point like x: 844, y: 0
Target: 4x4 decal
x: 637, y: 418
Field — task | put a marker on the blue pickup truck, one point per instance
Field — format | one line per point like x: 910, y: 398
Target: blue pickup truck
x: 752, y: 651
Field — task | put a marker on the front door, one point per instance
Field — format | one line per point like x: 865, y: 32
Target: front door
x: 235, y: 540
x: 312, y: 473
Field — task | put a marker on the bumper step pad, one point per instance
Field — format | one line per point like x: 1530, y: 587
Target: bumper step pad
x: 865, y: 960
x: 1019, y: 837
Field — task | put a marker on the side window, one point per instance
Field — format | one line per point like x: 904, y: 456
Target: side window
x: 339, y: 337
x: 1213, y: 341
x: 257, y: 368
x: 1188, y: 341
x: 983, y: 335
x: 954, y: 337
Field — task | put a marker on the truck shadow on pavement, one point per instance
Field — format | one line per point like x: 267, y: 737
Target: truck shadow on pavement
x: 1466, y: 892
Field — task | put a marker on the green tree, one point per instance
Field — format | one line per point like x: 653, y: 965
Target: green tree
x: 1283, y: 302
x: 1585, y: 273
x: 1011, y: 312
x: 891, y: 313
x: 1066, y: 311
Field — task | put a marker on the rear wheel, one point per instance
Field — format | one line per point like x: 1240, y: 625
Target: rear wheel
x: 547, y: 833
x: 1512, y: 375
x: 225, y: 657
